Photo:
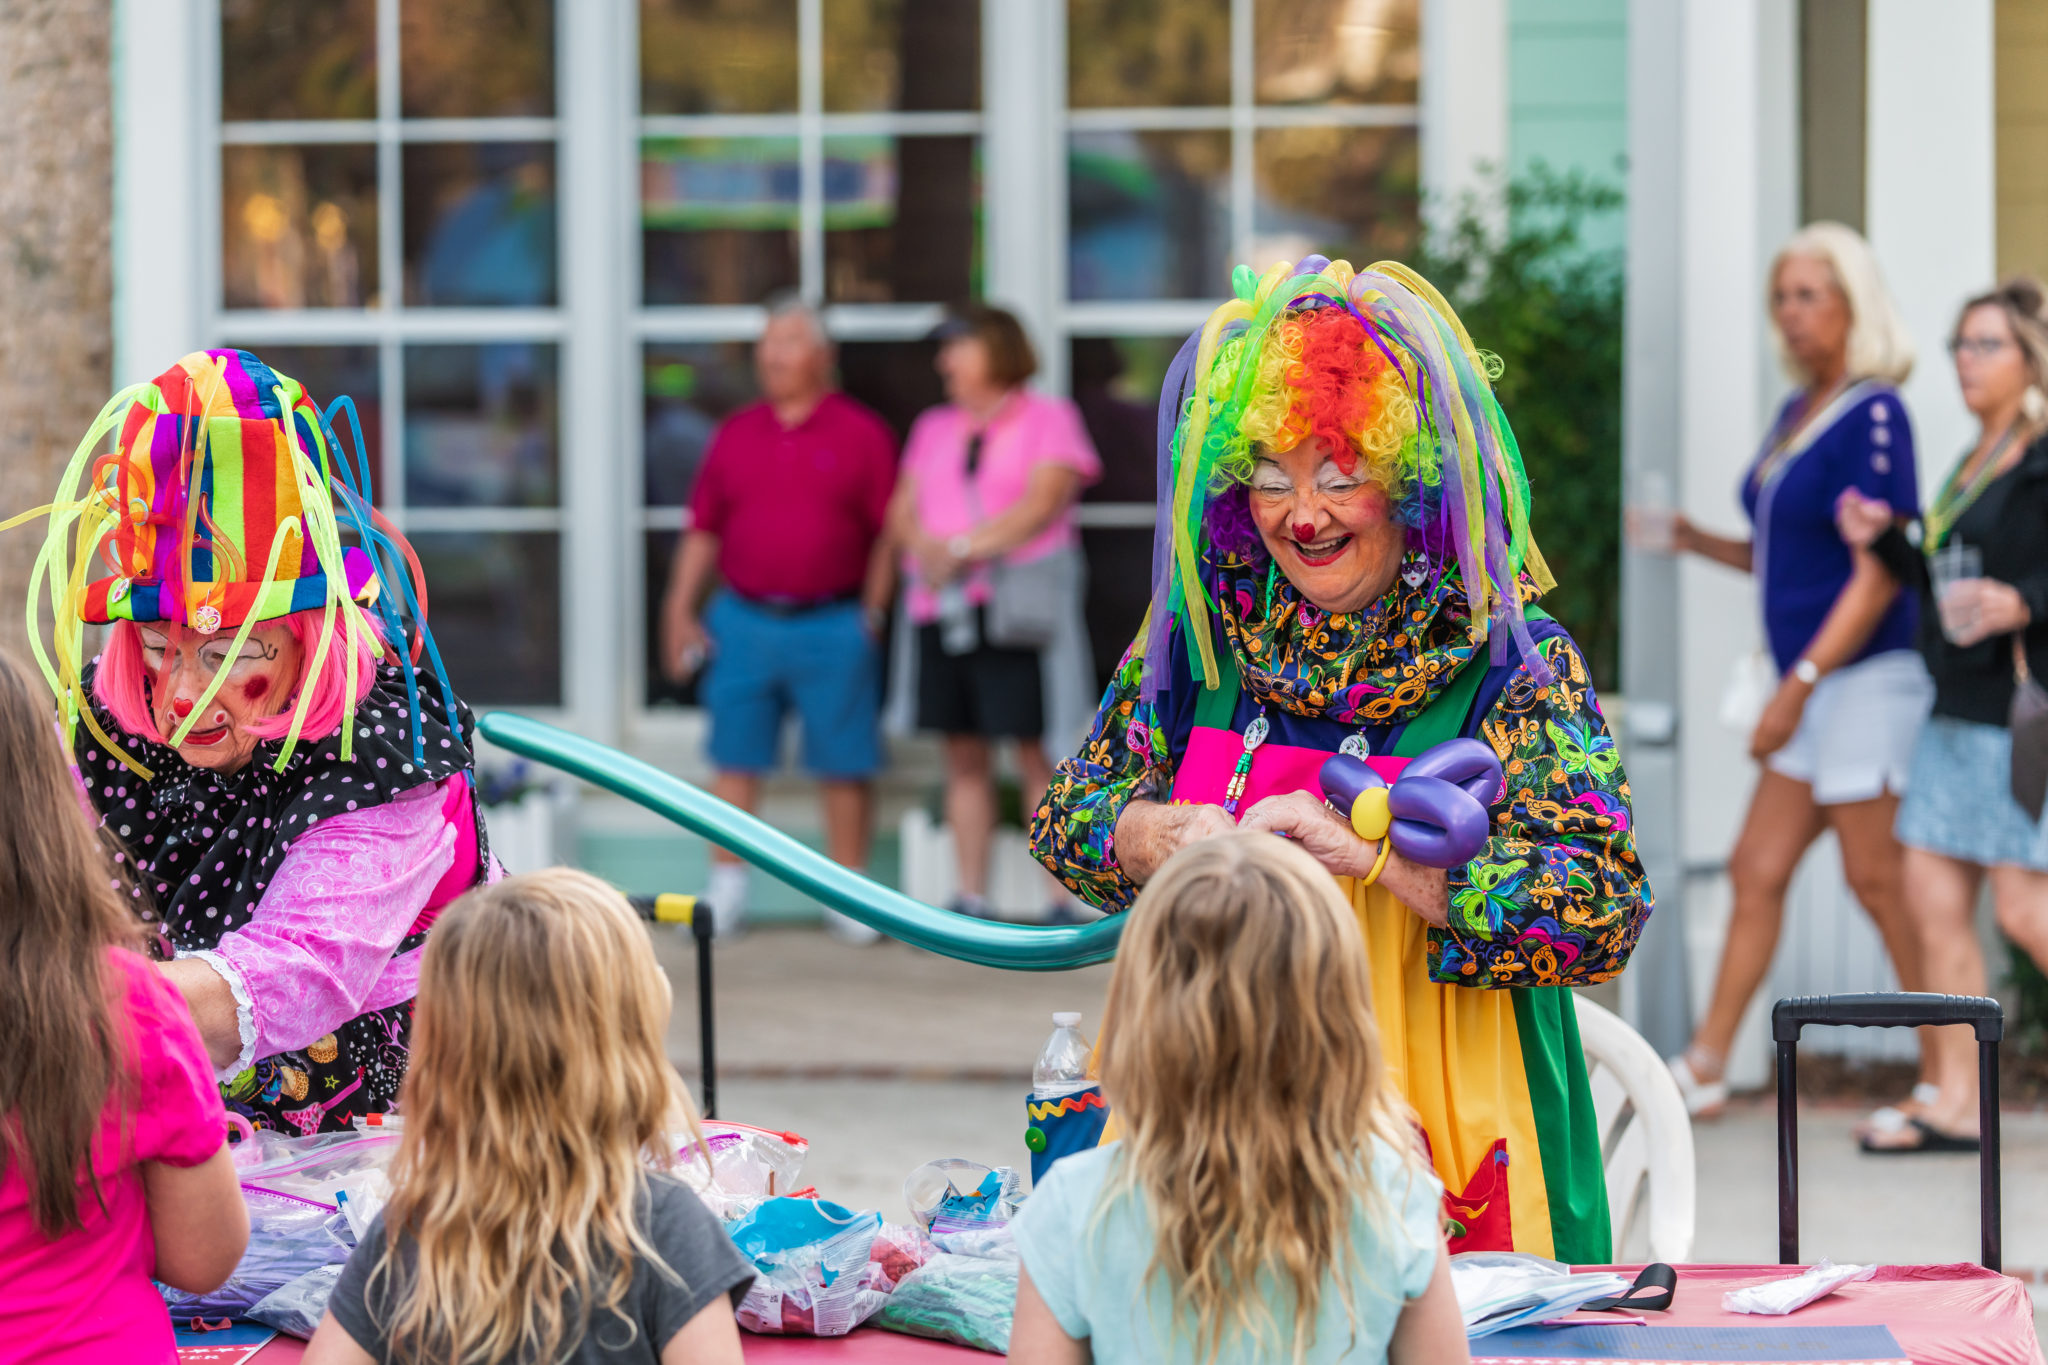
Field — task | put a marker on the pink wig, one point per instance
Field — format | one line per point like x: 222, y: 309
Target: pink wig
x: 122, y: 682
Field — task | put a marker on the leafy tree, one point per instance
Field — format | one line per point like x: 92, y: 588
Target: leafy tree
x: 1514, y: 262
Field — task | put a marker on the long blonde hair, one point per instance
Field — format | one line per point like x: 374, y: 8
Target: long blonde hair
x: 539, y: 1094
x: 1240, y: 1053
x: 1879, y: 345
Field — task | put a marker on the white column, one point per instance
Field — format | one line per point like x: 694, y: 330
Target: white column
x: 1722, y: 340
x: 1654, y: 988
x: 593, y: 169
x: 1464, y: 96
x: 1024, y: 200
x: 161, y: 95
x: 1931, y: 207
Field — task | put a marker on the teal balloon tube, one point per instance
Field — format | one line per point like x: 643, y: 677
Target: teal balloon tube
x: 1017, y: 947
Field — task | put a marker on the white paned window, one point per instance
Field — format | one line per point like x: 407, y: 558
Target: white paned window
x: 407, y: 201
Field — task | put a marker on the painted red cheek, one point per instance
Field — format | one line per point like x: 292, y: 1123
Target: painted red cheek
x: 256, y: 689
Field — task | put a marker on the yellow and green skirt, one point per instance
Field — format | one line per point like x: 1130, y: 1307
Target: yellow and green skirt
x: 1497, y: 1080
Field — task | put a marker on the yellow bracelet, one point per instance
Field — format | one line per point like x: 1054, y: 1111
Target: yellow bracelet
x: 1379, y: 864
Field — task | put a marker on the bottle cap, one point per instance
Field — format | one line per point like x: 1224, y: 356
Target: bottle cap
x: 1066, y: 1019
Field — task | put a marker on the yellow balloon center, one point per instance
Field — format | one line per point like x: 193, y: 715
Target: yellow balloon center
x: 1369, y: 814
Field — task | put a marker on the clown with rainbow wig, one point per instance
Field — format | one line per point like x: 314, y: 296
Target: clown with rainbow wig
x: 292, y: 801
x: 1343, y: 565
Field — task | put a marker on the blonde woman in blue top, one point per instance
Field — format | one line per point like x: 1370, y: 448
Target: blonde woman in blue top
x: 1268, y: 1199
x: 1835, y: 739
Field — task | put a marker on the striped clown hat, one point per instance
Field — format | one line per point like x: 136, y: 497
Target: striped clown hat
x: 217, y: 463
x: 222, y: 505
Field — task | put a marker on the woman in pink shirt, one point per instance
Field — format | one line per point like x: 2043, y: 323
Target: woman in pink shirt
x: 984, y: 511
x: 115, y: 1166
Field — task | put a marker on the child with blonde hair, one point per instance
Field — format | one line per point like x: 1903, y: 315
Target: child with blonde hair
x: 1268, y: 1200
x: 532, y: 1219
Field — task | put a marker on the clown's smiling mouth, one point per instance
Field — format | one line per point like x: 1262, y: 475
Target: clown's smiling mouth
x: 204, y: 739
x: 1317, y: 553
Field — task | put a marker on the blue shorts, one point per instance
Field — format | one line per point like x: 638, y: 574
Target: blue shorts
x: 819, y: 663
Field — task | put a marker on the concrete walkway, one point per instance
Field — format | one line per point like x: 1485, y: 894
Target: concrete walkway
x: 886, y: 1057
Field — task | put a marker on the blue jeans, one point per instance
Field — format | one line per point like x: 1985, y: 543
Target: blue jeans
x: 819, y: 663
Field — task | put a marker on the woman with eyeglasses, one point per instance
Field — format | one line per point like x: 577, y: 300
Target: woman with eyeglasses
x: 1978, y: 558
x: 1836, y: 734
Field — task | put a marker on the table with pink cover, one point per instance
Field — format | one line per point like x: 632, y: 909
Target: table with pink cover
x: 1940, y: 1315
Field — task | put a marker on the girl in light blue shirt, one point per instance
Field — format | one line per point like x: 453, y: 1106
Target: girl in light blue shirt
x: 1268, y: 1200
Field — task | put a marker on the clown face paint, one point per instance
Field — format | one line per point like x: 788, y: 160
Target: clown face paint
x: 1333, y: 534
x: 180, y: 662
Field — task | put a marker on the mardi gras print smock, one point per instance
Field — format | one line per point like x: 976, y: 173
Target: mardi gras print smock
x: 1557, y: 898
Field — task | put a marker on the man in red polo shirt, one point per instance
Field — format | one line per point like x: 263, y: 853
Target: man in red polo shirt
x: 787, y: 514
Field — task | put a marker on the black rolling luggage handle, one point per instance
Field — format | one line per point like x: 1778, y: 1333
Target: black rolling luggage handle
x: 695, y: 913
x: 1888, y: 1010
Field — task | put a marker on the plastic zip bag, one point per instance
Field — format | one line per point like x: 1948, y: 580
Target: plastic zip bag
x: 747, y: 1166
x: 817, y: 1277
x: 288, y: 1236
x: 1780, y: 1297
x: 968, y: 1300
x: 295, y: 1307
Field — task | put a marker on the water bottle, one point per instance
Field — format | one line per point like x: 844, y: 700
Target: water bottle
x: 1062, y: 1067
x: 959, y: 632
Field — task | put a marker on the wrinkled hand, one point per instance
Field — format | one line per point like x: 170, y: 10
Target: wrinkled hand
x: 1861, y: 520
x: 936, y: 564
x: 1150, y: 832
x: 1986, y: 607
x: 1312, y: 824
x: 688, y: 646
x: 1780, y: 718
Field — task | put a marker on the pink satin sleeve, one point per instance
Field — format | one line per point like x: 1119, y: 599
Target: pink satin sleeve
x: 322, y: 946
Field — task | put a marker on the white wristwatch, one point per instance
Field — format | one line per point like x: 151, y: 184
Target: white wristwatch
x: 1807, y: 671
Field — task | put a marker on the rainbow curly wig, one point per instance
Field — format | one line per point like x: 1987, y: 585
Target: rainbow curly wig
x: 1376, y: 364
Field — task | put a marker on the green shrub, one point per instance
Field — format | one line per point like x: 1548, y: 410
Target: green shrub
x: 1515, y: 264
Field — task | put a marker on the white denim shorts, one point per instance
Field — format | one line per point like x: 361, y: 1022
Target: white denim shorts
x: 1855, y: 739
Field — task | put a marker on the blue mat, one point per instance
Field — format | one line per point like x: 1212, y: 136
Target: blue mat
x: 1760, y: 1343
x: 237, y: 1334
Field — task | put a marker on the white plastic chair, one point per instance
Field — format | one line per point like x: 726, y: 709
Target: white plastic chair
x: 1645, y: 1135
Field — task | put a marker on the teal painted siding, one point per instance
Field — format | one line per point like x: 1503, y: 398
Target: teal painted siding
x: 1568, y: 93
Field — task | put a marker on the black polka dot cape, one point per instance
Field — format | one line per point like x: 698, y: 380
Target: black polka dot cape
x: 203, y: 847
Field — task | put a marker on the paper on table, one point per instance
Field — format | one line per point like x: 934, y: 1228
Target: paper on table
x: 1501, y: 1289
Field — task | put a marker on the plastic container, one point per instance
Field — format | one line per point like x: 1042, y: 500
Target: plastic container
x: 1062, y: 1067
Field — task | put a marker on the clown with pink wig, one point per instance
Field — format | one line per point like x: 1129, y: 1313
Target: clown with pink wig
x: 292, y: 801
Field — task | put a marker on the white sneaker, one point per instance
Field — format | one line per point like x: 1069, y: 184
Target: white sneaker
x: 726, y: 890
x: 850, y: 931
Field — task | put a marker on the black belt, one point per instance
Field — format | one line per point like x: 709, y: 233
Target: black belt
x: 783, y: 606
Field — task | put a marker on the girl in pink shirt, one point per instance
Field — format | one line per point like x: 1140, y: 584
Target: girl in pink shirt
x: 114, y: 1167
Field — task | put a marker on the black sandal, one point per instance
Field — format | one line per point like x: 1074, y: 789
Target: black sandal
x: 1931, y: 1139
